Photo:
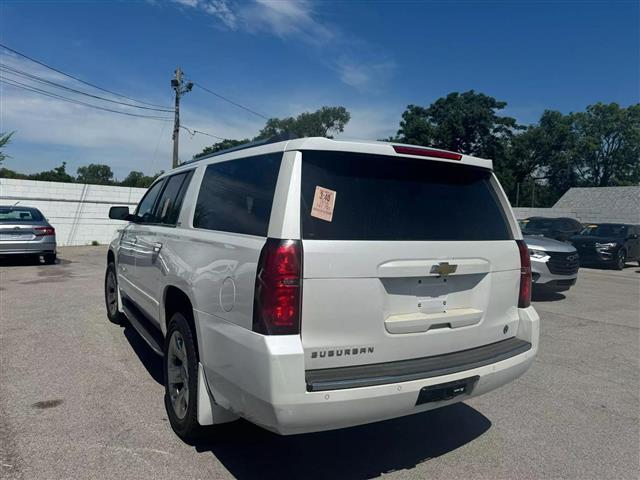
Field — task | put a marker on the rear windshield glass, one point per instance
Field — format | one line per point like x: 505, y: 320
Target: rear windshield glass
x: 348, y: 196
x: 606, y: 230
x: 19, y: 214
x: 540, y: 224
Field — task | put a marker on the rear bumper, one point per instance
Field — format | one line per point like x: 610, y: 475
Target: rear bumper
x: 47, y: 245
x: 263, y: 380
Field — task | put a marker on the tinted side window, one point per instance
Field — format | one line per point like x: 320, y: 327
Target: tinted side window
x: 236, y: 196
x: 145, y: 207
x: 391, y: 198
x: 168, y: 206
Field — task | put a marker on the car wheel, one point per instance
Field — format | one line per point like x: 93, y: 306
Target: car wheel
x: 181, y: 378
x: 622, y: 259
x: 50, y: 258
x: 111, y: 294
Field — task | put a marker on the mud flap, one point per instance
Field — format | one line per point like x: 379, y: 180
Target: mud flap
x: 210, y: 413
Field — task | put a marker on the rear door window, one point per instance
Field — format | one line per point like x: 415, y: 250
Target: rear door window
x: 236, y: 195
x: 168, y: 206
x: 391, y: 198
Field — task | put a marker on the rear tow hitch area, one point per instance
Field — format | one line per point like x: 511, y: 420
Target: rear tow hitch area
x: 446, y: 391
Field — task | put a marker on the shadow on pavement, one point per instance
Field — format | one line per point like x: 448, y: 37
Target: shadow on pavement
x: 546, y: 296
x: 19, y: 261
x: 28, y: 261
x: 248, y: 451
x: 151, y: 361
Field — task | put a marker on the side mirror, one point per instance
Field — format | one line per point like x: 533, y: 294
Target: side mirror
x: 633, y: 236
x: 119, y: 213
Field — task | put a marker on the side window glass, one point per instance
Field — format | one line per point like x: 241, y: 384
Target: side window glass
x: 168, y: 206
x: 236, y: 195
x: 145, y: 207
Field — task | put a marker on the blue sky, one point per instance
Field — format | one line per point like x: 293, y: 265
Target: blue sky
x: 283, y: 58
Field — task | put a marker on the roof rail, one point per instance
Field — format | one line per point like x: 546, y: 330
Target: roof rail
x: 281, y: 137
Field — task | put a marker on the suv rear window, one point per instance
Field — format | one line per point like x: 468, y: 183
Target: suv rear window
x: 236, y: 195
x: 391, y: 198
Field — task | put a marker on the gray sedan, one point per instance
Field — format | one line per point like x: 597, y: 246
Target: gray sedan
x: 25, y: 231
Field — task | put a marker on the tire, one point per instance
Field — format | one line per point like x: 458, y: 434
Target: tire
x: 180, y: 371
x: 621, y: 260
x: 111, y: 295
x: 50, y: 258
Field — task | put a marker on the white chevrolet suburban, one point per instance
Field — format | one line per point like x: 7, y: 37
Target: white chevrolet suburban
x: 315, y: 284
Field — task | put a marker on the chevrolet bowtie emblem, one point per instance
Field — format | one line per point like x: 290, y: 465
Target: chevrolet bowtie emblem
x: 444, y: 268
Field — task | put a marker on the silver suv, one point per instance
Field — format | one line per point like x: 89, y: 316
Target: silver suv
x: 554, y: 264
x: 317, y: 284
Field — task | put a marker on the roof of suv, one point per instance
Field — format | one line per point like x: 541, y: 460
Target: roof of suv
x: 322, y: 143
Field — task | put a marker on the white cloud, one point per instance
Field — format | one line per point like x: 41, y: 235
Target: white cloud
x: 364, y: 75
x: 286, y: 19
x: 187, y: 3
x: 222, y: 10
x: 300, y: 20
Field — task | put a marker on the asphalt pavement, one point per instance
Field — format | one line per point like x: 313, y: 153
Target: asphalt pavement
x: 81, y: 398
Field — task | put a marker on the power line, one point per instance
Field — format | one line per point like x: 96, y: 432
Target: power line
x: 231, y: 101
x: 29, y: 76
x: 30, y: 88
x: 193, y: 132
x: 78, y: 79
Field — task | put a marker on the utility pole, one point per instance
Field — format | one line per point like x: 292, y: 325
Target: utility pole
x: 177, y: 83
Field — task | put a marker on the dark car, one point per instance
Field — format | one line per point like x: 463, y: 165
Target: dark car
x: 610, y: 244
x: 561, y: 228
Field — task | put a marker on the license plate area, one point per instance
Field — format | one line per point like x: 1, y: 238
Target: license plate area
x: 446, y: 391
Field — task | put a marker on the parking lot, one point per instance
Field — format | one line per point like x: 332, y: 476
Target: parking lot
x: 83, y: 398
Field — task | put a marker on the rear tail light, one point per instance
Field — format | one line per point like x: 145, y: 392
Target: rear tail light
x: 524, y: 296
x: 276, y: 304
x: 43, y: 231
x: 427, y: 152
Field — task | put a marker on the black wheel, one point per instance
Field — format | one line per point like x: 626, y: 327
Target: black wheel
x: 111, y: 294
x: 621, y: 260
x: 49, y: 258
x: 181, y: 378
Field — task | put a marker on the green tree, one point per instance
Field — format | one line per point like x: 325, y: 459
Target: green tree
x: 463, y: 122
x: 58, y: 174
x: 222, y: 145
x: 6, y: 173
x: 543, y: 153
x: 467, y: 123
x: 139, y: 179
x: 96, y: 174
x: 5, y: 138
x: 324, y: 122
x: 607, y: 150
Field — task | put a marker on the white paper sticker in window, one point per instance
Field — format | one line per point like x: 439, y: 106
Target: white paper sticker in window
x: 323, y: 203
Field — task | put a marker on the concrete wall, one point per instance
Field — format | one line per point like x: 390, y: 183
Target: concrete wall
x: 583, y: 215
x: 78, y: 212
